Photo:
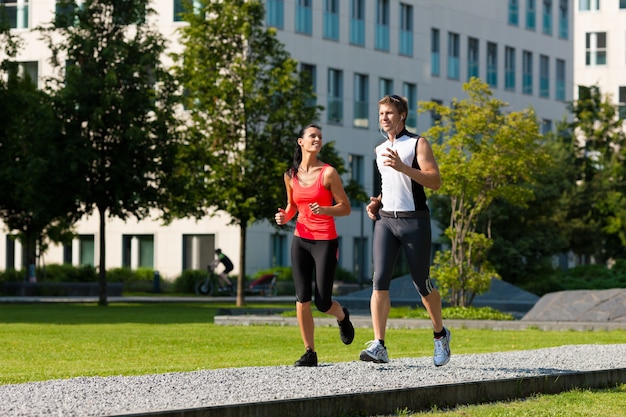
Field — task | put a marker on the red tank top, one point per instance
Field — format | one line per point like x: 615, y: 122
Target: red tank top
x: 309, y: 225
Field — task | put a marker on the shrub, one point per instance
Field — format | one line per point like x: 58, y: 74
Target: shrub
x: 186, y: 282
x: 67, y: 273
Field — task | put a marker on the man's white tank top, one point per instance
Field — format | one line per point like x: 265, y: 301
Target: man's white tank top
x: 399, y: 192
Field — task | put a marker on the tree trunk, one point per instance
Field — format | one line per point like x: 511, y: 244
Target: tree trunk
x: 102, y: 277
x: 241, y: 279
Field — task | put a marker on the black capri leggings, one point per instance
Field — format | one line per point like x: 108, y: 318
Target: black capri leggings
x: 314, y: 255
x: 414, y: 236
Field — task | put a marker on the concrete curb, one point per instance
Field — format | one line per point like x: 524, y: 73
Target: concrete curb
x: 366, y: 322
x: 415, y: 399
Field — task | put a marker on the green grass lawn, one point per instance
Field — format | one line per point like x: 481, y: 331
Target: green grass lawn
x: 52, y: 341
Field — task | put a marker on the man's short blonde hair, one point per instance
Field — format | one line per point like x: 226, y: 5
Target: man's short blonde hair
x: 400, y: 103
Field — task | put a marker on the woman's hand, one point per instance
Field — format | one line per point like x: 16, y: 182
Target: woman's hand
x: 315, y: 208
x: 280, y: 217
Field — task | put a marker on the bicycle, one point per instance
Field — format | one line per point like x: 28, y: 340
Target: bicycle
x: 211, y: 282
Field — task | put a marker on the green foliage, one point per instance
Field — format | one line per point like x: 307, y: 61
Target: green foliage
x: 527, y: 238
x: 37, y: 184
x: 116, y: 102
x: 451, y: 313
x: 185, y: 283
x: 68, y: 273
x: 597, y: 211
x: 582, y: 277
x: 485, y: 154
x: 12, y: 275
x: 344, y: 275
x: 233, y: 69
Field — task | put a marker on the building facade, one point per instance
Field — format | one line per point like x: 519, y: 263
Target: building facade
x: 356, y: 52
x: 600, y: 48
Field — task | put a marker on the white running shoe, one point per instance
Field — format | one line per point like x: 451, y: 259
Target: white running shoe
x: 375, y: 352
x: 442, y: 349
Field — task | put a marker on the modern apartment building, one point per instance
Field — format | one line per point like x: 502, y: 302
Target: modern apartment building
x: 600, y: 48
x: 356, y: 51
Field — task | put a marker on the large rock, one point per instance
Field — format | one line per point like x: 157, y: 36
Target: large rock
x: 581, y: 305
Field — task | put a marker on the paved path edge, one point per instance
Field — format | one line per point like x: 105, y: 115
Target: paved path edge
x: 414, y: 399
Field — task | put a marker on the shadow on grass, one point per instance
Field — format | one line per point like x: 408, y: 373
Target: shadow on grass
x: 148, y: 313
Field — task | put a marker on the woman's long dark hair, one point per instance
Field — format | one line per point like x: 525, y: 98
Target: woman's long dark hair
x: 297, y: 152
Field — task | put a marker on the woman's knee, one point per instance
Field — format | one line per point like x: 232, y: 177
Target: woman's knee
x: 323, y: 305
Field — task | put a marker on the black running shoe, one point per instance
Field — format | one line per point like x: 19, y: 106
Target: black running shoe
x: 308, y: 359
x: 346, y: 329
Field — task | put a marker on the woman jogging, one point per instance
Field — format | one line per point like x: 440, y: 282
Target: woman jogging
x: 312, y: 186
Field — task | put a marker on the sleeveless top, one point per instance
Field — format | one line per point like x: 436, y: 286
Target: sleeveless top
x: 399, y: 192
x: 309, y: 225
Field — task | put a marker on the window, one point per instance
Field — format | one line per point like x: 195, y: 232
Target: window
x: 584, y: 5
x: 357, y: 22
x: 274, y: 13
x: 406, y: 29
x: 357, y: 175
x: 530, y: 15
x: 595, y: 47
x: 385, y: 87
x: 513, y: 12
x: 179, y: 9
x: 30, y: 70
x: 547, y: 17
x: 621, y: 95
x: 559, y: 93
x: 86, y: 250
x: 138, y: 251
x: 361, y: 101
x: 472, y: 58
x: 279, y: 250
x: 527, y: 72
x: 409, y: 90
x: 331, y: 19
x: 509, y: 68
x: 382, y: 25
x: 622, y: 4
x: 309, y: 73
x: 335, y: 96
x: 434, y: 52
x: 492, y: 64
x: 16, y: 13
x: 544, y: 76
x: 10, y: 252
x: 198, y: 251
x: 453, y: 56
x: 563, y: 19
x: 546, y: 126
x: 304, y: 17
x: 64, y: 13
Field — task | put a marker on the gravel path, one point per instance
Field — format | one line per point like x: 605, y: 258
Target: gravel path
x: 96, y: 396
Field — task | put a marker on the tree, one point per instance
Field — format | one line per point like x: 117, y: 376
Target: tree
x: 598, y: 203
x: 246, y: 104
x: 484, y: 154
x: 37, y: 196
x: 117, y: 103
x: 527, y: 238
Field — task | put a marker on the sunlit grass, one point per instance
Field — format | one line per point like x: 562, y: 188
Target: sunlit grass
x: 53, y: 341
x: 581, y: 403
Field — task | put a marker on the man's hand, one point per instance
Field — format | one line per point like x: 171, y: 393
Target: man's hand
x: 373, y: 207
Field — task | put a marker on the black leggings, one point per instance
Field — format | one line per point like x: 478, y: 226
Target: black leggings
x: 414, y: 236
x: 319, y: 257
